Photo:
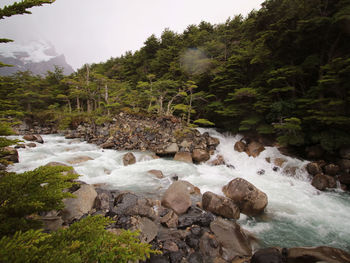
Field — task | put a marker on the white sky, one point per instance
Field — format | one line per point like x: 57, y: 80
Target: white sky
x: 88, y: 31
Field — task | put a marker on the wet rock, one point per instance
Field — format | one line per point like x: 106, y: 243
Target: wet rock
x: 331, y: 169
x: 79, y: 159
x: 177, y: 197
x: 31, y: 145
x: 249, y: 199
x: 322, y: 181
x: 18, y: 146
x: 148, y: 229
x: 10, y: 154
x: 313, y: 168
x: 279, y: 162
x: 128, y: 159
x: 317, y: 254
x: 130, y: 204
x: 183, y: 157
x: 170, y: 219
x: 200, y: 155
x: 211, y: 141
x: 156, y: 173
x: 290, y: 170
x: 82, y: 204
x: 232, y: 239
x: 195, y: 216
x: 220, y: 205
x: 240, y: 146
x: 254, y: 149
x: 275, y: 169
x: 218, y: 161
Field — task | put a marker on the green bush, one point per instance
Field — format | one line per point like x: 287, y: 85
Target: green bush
x: 84, y: 241
x: 26, y: 194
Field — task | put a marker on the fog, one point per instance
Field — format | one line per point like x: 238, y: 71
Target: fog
x: 88, y: 31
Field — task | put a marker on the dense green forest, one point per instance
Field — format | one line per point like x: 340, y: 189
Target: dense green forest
x: 283, y: 70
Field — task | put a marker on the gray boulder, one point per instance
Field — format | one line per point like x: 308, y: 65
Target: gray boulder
x: 177, y: 197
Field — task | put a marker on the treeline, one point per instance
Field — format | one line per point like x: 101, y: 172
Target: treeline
x: 283, y: 70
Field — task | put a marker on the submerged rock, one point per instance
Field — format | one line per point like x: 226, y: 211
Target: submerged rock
x: 156, y: 173
x: 249, y: 199
x: 79, y: 159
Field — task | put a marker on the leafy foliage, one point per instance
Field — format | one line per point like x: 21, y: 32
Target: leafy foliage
x: 84, y: 241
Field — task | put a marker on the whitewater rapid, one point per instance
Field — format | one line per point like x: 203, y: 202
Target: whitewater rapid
x: 297, y: 214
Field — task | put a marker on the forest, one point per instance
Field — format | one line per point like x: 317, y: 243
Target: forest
x: 282, y: 71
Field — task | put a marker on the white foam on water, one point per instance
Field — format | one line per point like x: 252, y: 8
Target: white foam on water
x: 297, y: 214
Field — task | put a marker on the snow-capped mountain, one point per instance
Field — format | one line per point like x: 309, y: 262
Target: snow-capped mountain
x: 36, y: 56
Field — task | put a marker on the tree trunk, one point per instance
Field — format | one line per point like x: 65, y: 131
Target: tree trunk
x: 189, y: 109
x: 106, y: 99
x: 69, y: 105
x: 78, y: 104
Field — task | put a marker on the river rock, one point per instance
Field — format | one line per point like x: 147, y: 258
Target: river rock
x: 317, y: 254
x: 170, y: 219
x: 102, y: 202
x: 267, y: 255
x: 197, y: 216
x: 35, y: 138
x: 322, y: 181
x: 130, y: 204
x: 21, y: 145
x: 79, y: 159
x: 107, y: 145
x: 254, y: 149
x: 173, y: 148
x: 148, y: 229
x: 10, y: 154
x: 177, y: 197
x: 232, y: 239
x: 240, y: 146
x: 249, y: 199
x: 331, y: 169
x: 313, y: 168
x: 128, y: 159
x: 156, y: 173
x: 183, y: 157
x: 220, y: 205
x: 82, y: 204
x: 200, y: 155
x: 209, y: 247
x: 31, y: 145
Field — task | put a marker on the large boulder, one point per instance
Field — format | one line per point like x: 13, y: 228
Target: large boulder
x: 240, y: 146
x: 232, y: 239
x: 313, y: 168
x: 220, y: 205
x: 200, y: 155
x: 254, y: 149
x: 249, y: 199
x: 331, y: 169
x: 177, y: 197
x: 82, y: 204
x: 183, y: 157
x: 322, y: 182
x: 129, y: 158
x: 10, y: 154
x: 317, y: 254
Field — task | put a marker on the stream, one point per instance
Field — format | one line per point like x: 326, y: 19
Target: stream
x: 297, y: 214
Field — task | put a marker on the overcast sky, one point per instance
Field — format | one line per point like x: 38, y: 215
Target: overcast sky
x: 88, y: 31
